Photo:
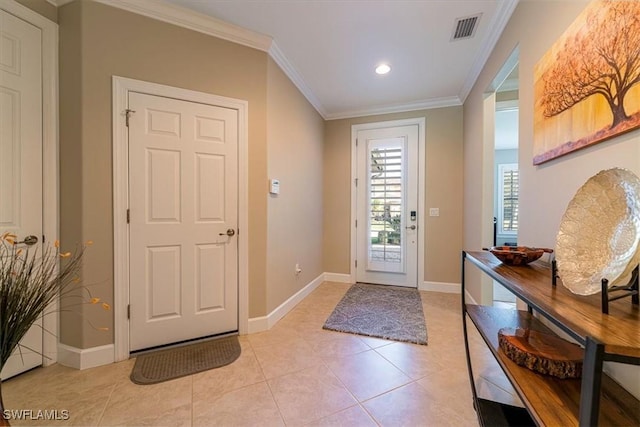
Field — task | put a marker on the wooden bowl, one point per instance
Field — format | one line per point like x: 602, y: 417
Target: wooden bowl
x: 518, y: 255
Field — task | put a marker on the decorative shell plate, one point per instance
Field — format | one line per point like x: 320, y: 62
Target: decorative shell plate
x: 599, y: 233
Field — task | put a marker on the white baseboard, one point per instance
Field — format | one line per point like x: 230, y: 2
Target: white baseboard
x: 469, y: 299
x: 258, y: 324
x: 85, y: 358
x: 450, y: 288
x: 263, y: 323
x: 337, y: 277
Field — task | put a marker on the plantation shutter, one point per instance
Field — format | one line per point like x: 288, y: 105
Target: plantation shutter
x: 509, y: 190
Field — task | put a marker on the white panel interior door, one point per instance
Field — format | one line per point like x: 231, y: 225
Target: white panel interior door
x: 183, y: 180
x: 387, y: 206
x: 21, y: 154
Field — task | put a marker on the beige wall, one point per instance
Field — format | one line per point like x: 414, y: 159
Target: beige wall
x: 43, y: 7
x: 70, y: 172
x: 97, y: 42
x: 295, y: 133
x: 547, y: 189
x: 443, y: 189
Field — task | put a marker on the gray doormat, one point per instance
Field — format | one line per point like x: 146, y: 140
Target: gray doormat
x: 389, y: 312
x: 167, y: 364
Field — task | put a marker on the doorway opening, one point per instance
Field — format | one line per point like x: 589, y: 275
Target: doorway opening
x: 502, y: 184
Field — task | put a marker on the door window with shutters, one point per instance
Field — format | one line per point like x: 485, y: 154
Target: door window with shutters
x: 386, y: 191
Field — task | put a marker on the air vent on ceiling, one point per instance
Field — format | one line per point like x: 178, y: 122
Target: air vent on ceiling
x: 465, y: 28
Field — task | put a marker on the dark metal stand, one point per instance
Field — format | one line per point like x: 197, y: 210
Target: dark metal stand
x: 628, y: 290
x: 489, y: 413
x: 631, y: 289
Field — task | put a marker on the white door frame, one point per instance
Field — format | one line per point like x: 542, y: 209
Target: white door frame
x: 121, y: 88
x: 421, y: 123
x: 49, y: 151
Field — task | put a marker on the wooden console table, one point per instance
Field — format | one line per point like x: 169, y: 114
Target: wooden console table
x: 595, y: 399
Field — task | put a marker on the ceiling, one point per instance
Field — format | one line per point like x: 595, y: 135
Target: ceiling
x: 330, y: 48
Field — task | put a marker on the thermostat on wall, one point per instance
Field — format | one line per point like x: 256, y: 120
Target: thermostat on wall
x: 274, y: 186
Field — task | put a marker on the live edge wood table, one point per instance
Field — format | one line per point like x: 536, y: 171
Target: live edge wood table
x: 595, y: 399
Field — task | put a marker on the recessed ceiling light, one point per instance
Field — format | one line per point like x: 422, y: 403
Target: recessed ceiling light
x: 383, y: 69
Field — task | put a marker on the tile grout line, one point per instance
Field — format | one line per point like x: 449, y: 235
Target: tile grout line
x: 266, y: 381
x: 358, y: 402
x: 106, y: 404
x: 498, y: 386
x: 276, y: 402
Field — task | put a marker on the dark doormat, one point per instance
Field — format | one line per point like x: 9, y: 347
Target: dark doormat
x: 167, y: 364
x: 389, y: 312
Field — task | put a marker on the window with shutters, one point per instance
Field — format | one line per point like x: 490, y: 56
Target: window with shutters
x: 508, y: 198
x: 386, y: 201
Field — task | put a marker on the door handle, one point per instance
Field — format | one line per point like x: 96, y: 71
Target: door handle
x: 29, y: 240
x: 411, y: 227
x: 230, y: 232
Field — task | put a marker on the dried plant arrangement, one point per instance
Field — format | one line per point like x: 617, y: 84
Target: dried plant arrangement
x: 31, y: 280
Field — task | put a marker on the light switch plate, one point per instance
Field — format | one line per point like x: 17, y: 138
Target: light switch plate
x: 434, y: 211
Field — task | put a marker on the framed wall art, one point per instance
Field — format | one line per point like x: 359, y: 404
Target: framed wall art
x: 587, y: 86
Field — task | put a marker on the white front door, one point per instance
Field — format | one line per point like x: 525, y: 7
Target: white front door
x: 21, y: 155
x: 387, y: 206
x: 183, y: 186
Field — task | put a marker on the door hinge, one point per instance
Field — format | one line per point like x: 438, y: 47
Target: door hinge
x: 128, y: 216
x: 356, y: 142
x: 127, y: 114
x: 356, y: 180
x: 356, y: 263
x: 129, y: 311
x: 43, y: 239
x: 356, y: 223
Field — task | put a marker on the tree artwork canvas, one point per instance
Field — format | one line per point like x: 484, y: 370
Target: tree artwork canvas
x: 587, y: 86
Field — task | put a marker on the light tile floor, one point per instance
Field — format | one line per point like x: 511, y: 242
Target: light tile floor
x: 295, y: 374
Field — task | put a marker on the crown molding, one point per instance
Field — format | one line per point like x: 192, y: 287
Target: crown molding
x: 176, y: 15
x: 451, y: 101
x: 279, y: 58
x: 497, y: 26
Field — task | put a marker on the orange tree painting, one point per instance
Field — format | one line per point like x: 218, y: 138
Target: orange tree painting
x: 587, y: 85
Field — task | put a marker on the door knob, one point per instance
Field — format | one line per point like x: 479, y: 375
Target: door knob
x: 411, y: 227
x: 230, y: 232
x: 29, y: 241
